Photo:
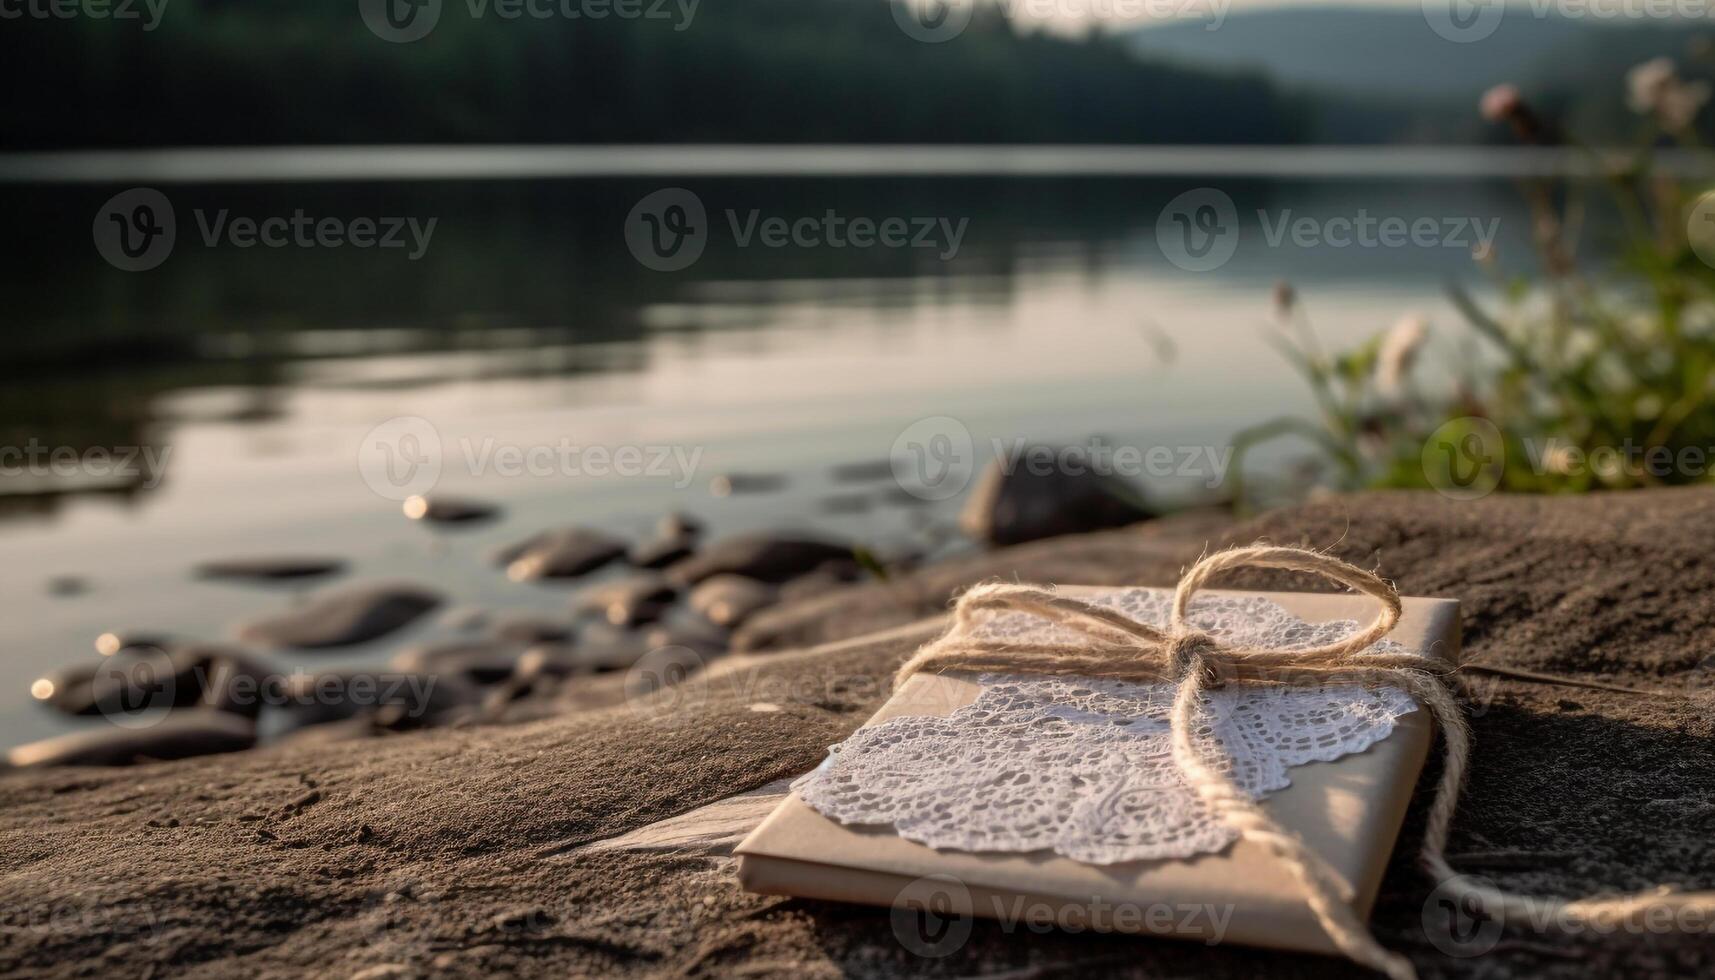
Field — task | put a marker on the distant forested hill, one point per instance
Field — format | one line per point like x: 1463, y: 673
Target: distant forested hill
x: 1385, y: 76
x: 289, y: 71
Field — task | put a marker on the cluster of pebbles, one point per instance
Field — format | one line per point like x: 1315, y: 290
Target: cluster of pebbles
x: 169, y: 698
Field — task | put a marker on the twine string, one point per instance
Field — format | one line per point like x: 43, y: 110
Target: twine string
x: 1113, y: 645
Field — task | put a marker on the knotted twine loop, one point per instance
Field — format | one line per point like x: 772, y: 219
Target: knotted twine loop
x: 1115, y: 646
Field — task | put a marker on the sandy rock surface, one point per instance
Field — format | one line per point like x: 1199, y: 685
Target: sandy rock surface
x: 538, y: 848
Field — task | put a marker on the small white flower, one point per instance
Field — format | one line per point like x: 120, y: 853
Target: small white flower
x: 1398, y: 352
x: 1499, y: 103
x: 1646, y: 83
x: 1654, y: 88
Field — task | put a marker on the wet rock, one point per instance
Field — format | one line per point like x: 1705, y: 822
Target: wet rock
x: 346, y: 617
x: 606, y: 647
x: 678, y: 524
x: 231, y: 680
x: 178, y: 736
x: 598, y: 649
x: 676, y: 536
x: 395, y: 700
x: 728, y: 600
x: 562, y: 553
x: 548, y: 660
x: 526, y: 630
x: 269, y: 569
x: 735, y: 484
x: 764, y: 557
x: 631, y: 600
x: 901, y: 497
x: 699, y: 635
x: 108, y: 644
x: 659, y: 552
x: 830, y: 576
x: 480, y: 663
x: 1009, y: 508
x: 67, y: 586
x: 449, y: 510
x: 870, y: 471
x: 846, y: 503
x: 141, y: 679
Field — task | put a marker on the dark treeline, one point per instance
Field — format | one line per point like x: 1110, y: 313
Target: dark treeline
x: 216, y: 72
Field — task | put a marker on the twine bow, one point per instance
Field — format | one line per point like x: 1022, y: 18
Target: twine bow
x: 1116, y: 646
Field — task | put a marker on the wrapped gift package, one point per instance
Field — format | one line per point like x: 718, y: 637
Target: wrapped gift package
x: 1348, y: 810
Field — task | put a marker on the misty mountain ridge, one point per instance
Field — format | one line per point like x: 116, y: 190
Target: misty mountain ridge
x: 1397, y: 54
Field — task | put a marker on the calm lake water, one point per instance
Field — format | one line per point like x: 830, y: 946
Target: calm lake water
x: 528, y: 334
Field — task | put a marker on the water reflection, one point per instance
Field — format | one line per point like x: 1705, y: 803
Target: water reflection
x: 254, y: 373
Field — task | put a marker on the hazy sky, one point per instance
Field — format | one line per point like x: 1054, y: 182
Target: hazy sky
x: 1075, y: 15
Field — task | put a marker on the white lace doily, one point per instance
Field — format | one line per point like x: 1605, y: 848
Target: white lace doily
x: 1083, y: 767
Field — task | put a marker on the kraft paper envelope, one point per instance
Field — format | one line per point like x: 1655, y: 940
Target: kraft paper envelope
x: 1349, y: 811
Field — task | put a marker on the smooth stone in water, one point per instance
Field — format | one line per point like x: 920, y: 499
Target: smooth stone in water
x: 271, y: 569
x: 141, y: 679
x: 598, y: 649
x: 1011, y: 508
x: 67, y: 586
x: 728, y: 600
x: 701, y: 636
x: 449, y: 510
x: 562, y: 553
x: 108, y: 644
x: 872, y: 471
x: 678, y: 524
x: 478, y: 662
x: 631, y: 600
x: 178, y: 736
x: 731, y: 484
x: 846, y: 503
x: 395, y: 700
x: 659, y: 552
x: 525, y: 630
x: 764, y: 557
x: 347, y: 617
